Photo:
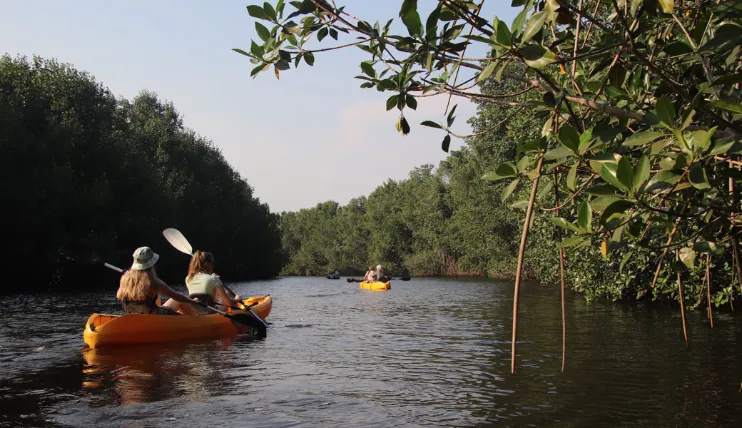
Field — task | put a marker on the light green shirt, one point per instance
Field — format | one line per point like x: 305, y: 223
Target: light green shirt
x: 203, y: 283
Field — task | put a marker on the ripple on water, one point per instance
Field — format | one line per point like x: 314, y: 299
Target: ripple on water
x: 429, y: 352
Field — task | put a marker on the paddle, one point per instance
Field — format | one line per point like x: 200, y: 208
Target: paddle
x: 78, y: 254
x: 177, y: 240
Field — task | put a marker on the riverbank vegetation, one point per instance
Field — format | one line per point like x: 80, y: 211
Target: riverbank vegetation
x: 639, y: 117
x: 80, y: 165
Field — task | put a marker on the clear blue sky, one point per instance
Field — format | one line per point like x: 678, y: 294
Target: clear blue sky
x: 311, y: 136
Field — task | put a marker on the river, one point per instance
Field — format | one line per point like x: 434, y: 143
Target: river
x: 428, y: 352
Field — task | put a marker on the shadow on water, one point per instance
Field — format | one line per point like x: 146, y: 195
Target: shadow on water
x: 428, y: 352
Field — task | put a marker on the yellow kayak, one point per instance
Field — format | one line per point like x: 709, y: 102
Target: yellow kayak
x: 104, y: 330
x: 376, y: 286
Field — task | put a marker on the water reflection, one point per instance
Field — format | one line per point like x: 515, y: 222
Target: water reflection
x: 148, y: 373
x: 426, y: 353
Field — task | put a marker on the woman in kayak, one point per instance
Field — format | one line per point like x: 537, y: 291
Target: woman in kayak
x: 139, y: 289
x: 204, y: 285
x: 370, y: 275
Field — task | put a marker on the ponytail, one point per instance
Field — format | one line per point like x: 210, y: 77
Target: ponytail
x: 198, y: 263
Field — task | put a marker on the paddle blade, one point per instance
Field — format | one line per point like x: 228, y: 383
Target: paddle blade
x: 177, y: 240
x: 247, y: 324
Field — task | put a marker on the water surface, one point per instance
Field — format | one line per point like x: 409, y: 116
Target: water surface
x: 429, y: 352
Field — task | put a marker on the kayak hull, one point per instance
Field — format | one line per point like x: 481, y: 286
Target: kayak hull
x: 105, y: 330
x: 376, y: 286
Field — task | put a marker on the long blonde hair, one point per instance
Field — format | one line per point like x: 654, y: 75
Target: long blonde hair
x: 198, y: 263
x: 138, y: 284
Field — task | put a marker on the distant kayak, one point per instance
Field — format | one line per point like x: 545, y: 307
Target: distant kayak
x: 333, y: 276
x: 376, y: 286
x: 105, y: 330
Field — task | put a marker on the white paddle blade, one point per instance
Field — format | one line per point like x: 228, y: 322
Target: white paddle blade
x: 177, y: 240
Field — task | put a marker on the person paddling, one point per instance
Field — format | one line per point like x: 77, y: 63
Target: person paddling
x: 370, y: 275
x: 380, y: 274
x: 139, y: 288
x: 204, y: 285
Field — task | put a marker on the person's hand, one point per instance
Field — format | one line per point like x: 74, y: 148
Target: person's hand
x: 237, y: 297
x: 215, y: 275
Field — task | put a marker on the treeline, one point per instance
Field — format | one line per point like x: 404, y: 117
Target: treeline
x: 438, y: 221
x: 449, y: 221
x: 79, y: 165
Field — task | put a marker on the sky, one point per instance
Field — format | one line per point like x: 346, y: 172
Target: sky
x: 312, y: 136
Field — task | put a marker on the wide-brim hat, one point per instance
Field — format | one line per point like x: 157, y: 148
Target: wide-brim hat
x: 144, y: 258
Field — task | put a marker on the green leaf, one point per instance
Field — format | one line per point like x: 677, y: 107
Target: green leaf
x: 257, y: 12
x: 572, y: 241
x: 537, y: 56
x: 520, y: 205
x: 269, y: 11
x: 624, y: 260
x: 667, y: 5
x: 533, y: 26
x: 665, y: 111
x: 391, y: 102
x: 614, y: 211
x: 641, y: 173
x: 263, y: 32
x: 601, y: 203
x: 585, y: 141
x: 503, y: 35
x: 697, y: 176
x: 558, y: 153
x: 732, y: 106
x: 240, y: 51
x: 309, y: 58
x: 518, y: 22
x: 721, y: 147
x: 411, y: 18
x: 446, y: 143
x: 597, y: 161
x: 524, y: 163
x: 564, y: 224
x: 601, y: 190
x: 625, y: 172
x: 569, y: 138
x: 571, y: 177
x: 729, y: 79
x: 687, y: 256
x: 510, y: 189
x: 368, y: 68
x: 411, y: 102
x: 256, y: 49
x: 585, y: 216
x: 292, y: 27
x: 484, y: 74
x: 431, y: 124
x: 505, y: 170
x: 661, y: 180
x: 609, y: 176
x: 642, y: 138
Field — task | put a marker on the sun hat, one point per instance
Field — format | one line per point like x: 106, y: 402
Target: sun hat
x: 378, y: 267
x: 144, y: 258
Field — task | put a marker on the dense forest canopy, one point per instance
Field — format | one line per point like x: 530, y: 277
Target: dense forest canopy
x: 79, y: 165
x: 615, y: 125
x: 640, y: 109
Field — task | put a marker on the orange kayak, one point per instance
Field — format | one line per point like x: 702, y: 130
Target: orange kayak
x: 104, y: 330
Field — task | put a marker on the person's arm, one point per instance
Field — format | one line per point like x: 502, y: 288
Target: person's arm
x: 165, y: 290
x: 222, y: 293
